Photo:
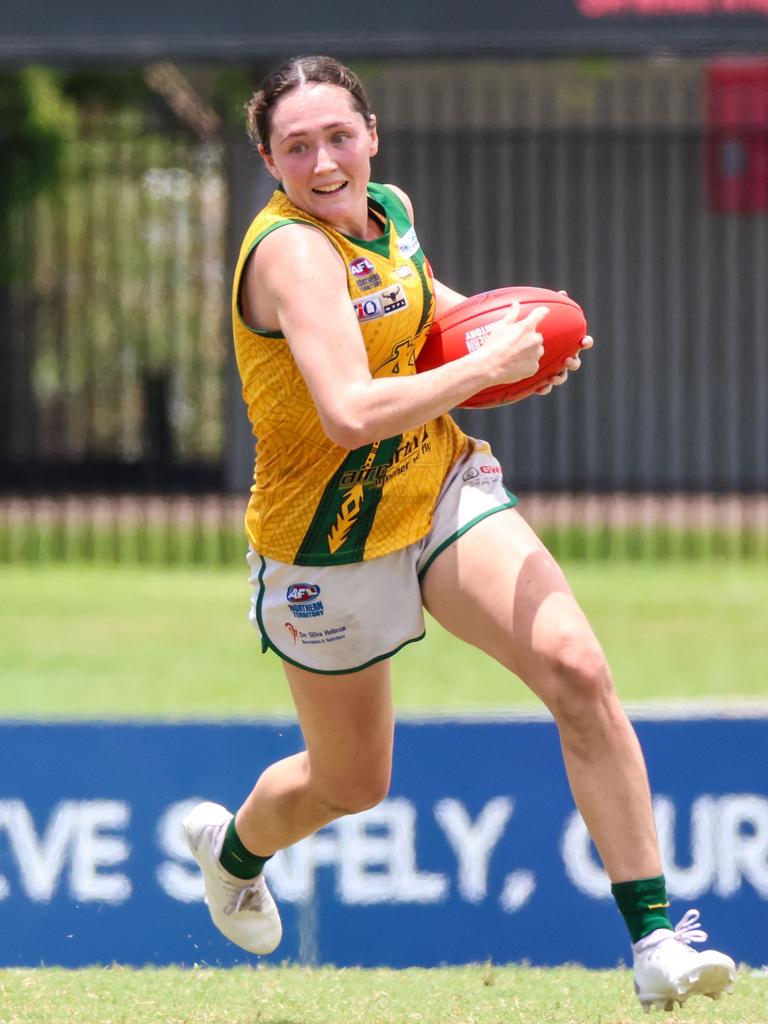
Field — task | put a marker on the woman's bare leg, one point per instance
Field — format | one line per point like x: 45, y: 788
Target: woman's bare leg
x: 498, y: 588
x: 348, y: 724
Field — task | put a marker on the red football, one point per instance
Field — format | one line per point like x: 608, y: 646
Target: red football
x: 464, y: 327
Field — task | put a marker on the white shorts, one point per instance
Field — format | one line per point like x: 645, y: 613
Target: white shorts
x: 342, y: 618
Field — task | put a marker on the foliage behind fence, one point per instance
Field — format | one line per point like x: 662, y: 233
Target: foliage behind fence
x: 117, y: 338
x: 116, y: 383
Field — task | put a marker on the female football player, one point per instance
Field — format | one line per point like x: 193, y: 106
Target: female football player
x: 370, y: 504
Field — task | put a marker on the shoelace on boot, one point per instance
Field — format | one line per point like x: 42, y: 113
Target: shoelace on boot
x: 687, y: 929
x: 248, y: 897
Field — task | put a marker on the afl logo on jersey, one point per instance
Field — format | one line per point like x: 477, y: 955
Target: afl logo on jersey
x: 298, y: 593
x: 364, y: 274
x: 362, y: 267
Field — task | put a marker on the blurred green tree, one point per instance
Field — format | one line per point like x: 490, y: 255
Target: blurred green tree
x: 34, y: 122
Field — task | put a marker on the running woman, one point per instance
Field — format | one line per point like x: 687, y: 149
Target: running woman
x: 370, y: 504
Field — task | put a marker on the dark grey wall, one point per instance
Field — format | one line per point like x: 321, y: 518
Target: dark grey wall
x: 47, y: 30
x: 675, y: 393
x: 588, y: 176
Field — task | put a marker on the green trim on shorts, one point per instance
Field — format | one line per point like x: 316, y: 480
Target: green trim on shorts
x: 267, y: 645
x: 264, y: 637
x: 468, y: 526
x: 338, y: 671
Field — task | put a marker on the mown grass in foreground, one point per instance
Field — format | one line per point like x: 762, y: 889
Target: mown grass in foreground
x: 479, y: 994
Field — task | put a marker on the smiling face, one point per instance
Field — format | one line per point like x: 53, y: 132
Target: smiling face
x: 320, y: 150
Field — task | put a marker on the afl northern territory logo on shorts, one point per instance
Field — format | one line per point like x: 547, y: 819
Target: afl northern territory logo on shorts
x: 304, y: 600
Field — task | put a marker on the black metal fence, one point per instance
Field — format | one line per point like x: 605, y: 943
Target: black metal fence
x: 119, y: 411
x: 114, y: 335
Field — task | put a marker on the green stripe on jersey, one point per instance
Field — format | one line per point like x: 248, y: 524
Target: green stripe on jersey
x: 395, y: 209
x: 345, y: 513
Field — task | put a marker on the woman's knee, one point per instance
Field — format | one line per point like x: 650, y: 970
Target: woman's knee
x: 355, y: 794
x: 578, y: 683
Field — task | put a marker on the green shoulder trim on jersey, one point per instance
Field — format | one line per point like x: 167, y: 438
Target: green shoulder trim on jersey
x: 345, y: 513
x: 392, y: 204
x: 395, y: 210
x: 385, y: 200
x: 260, y: 238
x: 378, y: 245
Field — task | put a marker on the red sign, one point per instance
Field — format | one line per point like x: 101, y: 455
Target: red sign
x: 668, y: 8
x: 737, y: 149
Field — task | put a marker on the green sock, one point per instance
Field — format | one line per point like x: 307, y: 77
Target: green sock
x: 238, y: 859
x: 643, y: 904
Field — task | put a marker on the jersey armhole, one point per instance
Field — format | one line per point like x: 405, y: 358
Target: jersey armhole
x: 241, y: 274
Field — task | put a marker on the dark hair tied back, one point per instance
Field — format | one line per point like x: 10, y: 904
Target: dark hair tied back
x: 292, y: 73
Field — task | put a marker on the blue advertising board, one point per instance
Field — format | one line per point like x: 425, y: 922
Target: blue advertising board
x: 478, y: 852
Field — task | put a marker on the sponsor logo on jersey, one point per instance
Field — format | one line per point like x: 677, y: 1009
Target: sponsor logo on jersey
x: 364, y: 273
x: 393, y: 299
x: 404, y: 271
x: 293, y: 631
x: 388, y: 300
x: 470, y: 474
x: 368, y: 308
x: 350, y: 507
x: 371, y: 476
x: 408, y: 244
x: 408, y: 453
x: 303, y: 600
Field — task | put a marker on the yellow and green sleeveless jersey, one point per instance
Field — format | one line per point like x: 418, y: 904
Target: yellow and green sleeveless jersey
x: 313, y: 502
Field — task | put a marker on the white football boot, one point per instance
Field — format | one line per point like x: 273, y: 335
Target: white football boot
x: 242, y: 909
x: 668, y: 971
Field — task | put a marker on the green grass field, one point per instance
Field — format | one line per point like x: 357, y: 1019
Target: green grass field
x: 293, y: 995
x: 84, y: 641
